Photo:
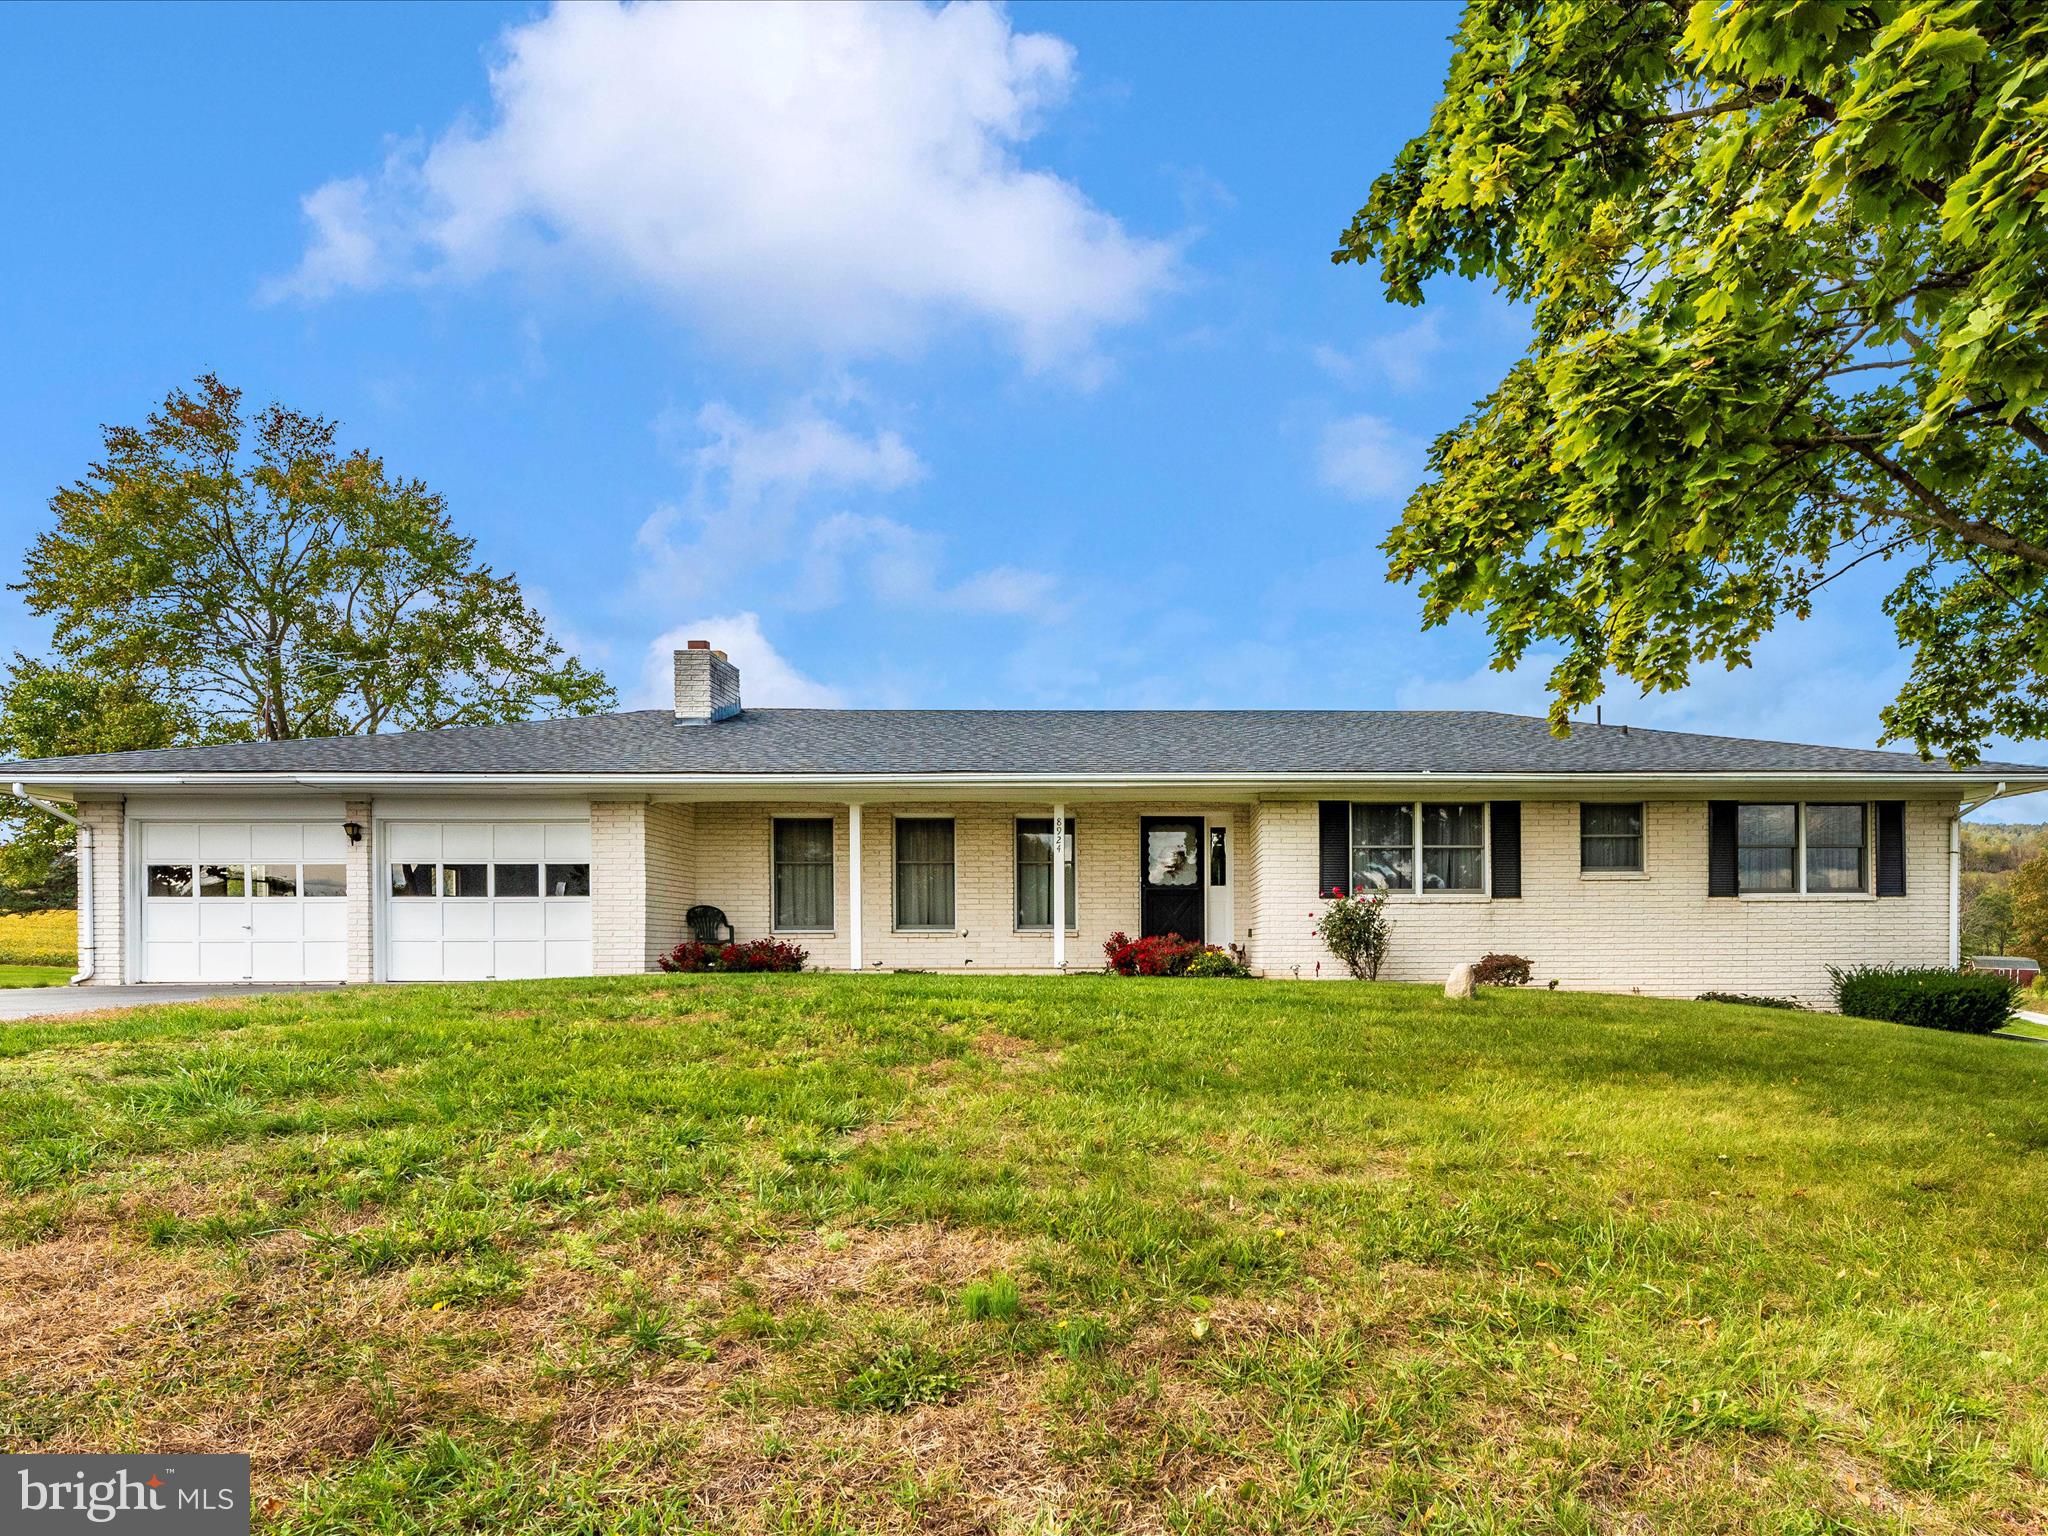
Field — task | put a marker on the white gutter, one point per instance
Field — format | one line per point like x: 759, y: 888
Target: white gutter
x: 1925, y: 779
x: 1955, y: 868
x: 86, y: 954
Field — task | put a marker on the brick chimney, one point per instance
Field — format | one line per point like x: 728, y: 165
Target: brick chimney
x: 707, y: 685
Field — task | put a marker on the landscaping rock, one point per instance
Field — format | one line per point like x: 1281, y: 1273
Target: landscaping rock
x: 1461, y: 983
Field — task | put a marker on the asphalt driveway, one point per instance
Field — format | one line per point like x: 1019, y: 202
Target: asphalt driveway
x: 41, y: 1002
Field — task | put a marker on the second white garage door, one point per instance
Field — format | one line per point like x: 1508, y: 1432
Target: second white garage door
x: 478, y: 900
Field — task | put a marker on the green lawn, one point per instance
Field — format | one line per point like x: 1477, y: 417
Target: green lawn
x: 34, y: 975
x: 809, y: 1254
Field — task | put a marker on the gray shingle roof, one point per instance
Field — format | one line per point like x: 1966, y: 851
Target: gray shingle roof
x: 1020, y: 741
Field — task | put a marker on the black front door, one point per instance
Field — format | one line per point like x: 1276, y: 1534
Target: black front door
x: 1171, y: 847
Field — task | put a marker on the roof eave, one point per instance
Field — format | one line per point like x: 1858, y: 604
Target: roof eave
x: 1964, y: 782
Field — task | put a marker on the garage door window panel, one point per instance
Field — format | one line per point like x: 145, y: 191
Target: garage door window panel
x: 222, y: 880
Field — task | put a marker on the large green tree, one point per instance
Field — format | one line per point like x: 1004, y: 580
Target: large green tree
x: 52, y: 711
x: 1787, y: 266
x: 280, y: 587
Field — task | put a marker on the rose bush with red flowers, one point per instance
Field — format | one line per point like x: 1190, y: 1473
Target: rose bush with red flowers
x: 1357, y: 930
x: 754, y: 955
x: 1168, y: 955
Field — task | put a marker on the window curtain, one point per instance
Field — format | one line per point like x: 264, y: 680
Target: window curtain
x: 803, y: 874
x: 1382, y: 848
x: 1453, y: 847
x: 1610, y: 837
x: 1034, y: 874
x: 924, y: 874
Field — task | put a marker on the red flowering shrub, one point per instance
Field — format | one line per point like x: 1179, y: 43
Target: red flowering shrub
x: 754, y: 955
x: 1162, y: 955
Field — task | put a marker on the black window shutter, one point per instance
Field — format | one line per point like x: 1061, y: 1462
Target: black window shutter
x: 1720, y: 847
x: 1507, y: 848
x: 1891, y: 847
x: 1333, y: 864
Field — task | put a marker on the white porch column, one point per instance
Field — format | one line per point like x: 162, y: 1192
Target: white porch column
x: 1059, y: 887
x: 853, y: 960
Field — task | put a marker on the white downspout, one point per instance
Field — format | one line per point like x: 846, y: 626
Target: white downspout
x: 1955, y: 889
x: 853, y: 899
x: 86, y: 950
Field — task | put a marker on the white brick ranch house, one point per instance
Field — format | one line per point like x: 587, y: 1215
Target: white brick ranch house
x: 1614, y: 859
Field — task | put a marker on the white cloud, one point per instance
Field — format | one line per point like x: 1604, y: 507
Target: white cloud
x: 901, y: 566
x: 1402, y: 358
x: 764, y: 496
x: 844, y: 177
x: 766, y: 677
x: 803, y: 453
x: 1367, y: 458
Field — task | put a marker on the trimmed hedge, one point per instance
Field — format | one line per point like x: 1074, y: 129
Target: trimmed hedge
x: 1928, y: 997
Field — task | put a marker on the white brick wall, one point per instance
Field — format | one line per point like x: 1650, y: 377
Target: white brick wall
x: 1659, y: 934
x: 733, y: 871
x: 642, y: 882
x: 109, y: 822
x: 362, y: 894
x: 671, y: 878
x: 618, y: 888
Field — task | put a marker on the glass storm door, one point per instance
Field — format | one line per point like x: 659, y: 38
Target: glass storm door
x: 1172, y: 895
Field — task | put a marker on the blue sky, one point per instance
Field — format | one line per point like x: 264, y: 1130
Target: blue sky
x: 976, y: 358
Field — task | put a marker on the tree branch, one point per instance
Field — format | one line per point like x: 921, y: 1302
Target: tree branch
x: 1939, y: 514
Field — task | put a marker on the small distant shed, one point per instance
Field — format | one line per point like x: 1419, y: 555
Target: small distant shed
x: 2018, y: 967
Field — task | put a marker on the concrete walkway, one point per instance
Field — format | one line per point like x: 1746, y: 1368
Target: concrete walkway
x: 43, y: 1002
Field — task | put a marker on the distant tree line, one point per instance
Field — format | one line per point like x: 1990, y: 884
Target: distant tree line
x: 2005, y: 889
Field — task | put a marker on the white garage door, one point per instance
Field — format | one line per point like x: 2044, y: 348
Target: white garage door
x: 244, y: 901
x: 486, y: 899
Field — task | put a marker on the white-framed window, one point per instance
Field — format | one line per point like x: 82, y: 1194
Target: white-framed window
x: 1802, y: 848
x: 1419, y: 847
x: 1611, y: 839
x: 803, y: 874
x: 924, y: 872
x: 1034, y: 874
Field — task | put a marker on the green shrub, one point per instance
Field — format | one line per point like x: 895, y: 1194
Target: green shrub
x: 1929, y: 997
x: 1747, y: 1000
x: 1501, y: 971
x: 1357, y: 930
x: 1216, y: 962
